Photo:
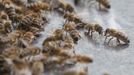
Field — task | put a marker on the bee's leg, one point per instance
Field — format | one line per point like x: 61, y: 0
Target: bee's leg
x: 88, y: 33
x: 110, y: 40
x: 118, y: 41
x: 74, y: 51
x: 92, y: 34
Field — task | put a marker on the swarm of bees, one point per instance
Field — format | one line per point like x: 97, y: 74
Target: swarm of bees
x: 21, y: 22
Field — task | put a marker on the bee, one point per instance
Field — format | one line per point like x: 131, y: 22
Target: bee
x: 117, y: 34
x: 29, y: 37
x: 15, y: 38
x: 4, y: 15
x: 75, y: 35
x: 25, y: 22
x: 59, y: 34
x: 6, y: 3
x: 11, y: 13
x: 83, y: 59
x: 19, y: 2
x: 71, y: 17
x: 37, y: 6
x: 37, y: 68
x: 4, y: 67
x: 92, y: 28
x: 12, y: 52
x: 68, y: 43
x: 8, y: 26
x: 69, y: 26
x: 82, y: 71
x: 20, y: 67
x: 33, y: 50
x: 66, y: 7
x: 50, y: 43
x: 105, y: 3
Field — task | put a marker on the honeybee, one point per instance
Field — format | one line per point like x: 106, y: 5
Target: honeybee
x: 6, y: 3
x: 29, y: 37
x: 19, y: 2
x: 72, y: 17
x: 92, y: 28
x: 25, y: 22
x: 33, y: 50
x: 59, y: 34
x: 66, y: 7
x: 117, y: 34
x: 50, y: 43
x: 69, y: 26
x: 20, y: 67
x: 8, y: 26
x: 4, y: 15
x: 12, y: 52
x: 4, y: 67
x: 75, y: 35
x: 68, y: 43
x: 15, y: 38
x: 11, y: 13
x: 54, y: 40
x: 105, y: 3
x: 83, y: 59
x: 37, y: 68
x: 37, y: 6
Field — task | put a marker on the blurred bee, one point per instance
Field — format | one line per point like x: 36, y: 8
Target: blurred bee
x: 19, y: 2
x: 8, y: 26
x: 66, y: 7
x: 59, y: 34
x: 105, y: 3
x: 20, y: 67
x: 6, y: 3
x: 68, y: 43
x: 33, y: 50
x: 69, y: 26
x: 117, y: 34
x: 12, y: 53
x: 82, y: 71
x: 81, y: 25
x: 4, y: 67
x: 29, y: 37
x: 92, y: 28
x: 71, y: 17
x: 4, y: 15
x: 37, y: 68
x: 25, y: 22
x: 15, y: 38
x: 50, y: 43
x: 11, y: 13
x: 38, y: 6
x: 83, y: 59
x: 75, y: 35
